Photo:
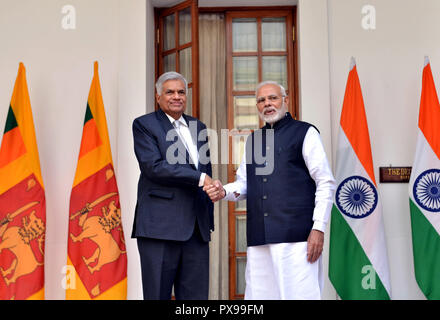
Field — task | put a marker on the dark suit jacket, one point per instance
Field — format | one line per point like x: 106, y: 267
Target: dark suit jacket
x: 169, y: 200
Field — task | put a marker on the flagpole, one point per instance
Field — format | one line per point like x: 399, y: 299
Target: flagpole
x: 352, y: 63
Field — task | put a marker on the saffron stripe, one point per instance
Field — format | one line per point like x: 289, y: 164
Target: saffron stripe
x: 354, y: 123
x: 429, y: 115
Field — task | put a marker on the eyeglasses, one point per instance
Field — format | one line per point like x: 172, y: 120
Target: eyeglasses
x: 271, y: 98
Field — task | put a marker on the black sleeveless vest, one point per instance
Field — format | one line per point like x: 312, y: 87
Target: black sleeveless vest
x: 280, y: 204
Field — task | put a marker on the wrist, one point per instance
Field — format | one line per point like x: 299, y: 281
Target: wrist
x: 202, y: 179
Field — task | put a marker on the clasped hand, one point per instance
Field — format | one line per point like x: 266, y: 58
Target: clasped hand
x: 214, y: 189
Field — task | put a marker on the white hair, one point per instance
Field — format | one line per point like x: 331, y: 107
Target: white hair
x: 283, y: 91
x: 171, y: 75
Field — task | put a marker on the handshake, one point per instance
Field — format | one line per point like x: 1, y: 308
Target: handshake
x: 214, y: 189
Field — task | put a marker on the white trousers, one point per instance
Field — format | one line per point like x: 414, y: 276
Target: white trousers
x: 281, y: 272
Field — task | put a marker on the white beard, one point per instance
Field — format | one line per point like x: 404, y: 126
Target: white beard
x: 271, y: 119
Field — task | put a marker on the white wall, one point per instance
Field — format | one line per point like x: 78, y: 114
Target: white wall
x: 389, y: 62
x: 136, y: 83
x: 314, y: 88
x: 59, y: 67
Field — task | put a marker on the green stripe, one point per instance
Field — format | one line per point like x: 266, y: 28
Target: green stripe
x: 11, y: 121
x: 426, y: 250
x: 350, y: 270
x: 89, y: 114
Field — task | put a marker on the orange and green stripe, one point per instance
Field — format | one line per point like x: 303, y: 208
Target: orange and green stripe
x: 90, y: 138
x: 95, y: 150
x: 12, y: 146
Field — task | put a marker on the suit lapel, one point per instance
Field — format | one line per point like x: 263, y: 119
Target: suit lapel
x: 164, y: 121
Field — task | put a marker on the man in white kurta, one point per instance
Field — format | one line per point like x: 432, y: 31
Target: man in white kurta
x: 285, y: 270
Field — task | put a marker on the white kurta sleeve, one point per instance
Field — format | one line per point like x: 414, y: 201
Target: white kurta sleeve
x: 319, y: 169
x: 236, y: 191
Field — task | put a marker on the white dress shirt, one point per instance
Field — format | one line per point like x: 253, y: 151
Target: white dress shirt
x: 182, y: 130
x: 316, y: 161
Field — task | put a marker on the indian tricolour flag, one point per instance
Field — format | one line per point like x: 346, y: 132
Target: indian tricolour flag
x: 424, y: 191
x: 358, y: 263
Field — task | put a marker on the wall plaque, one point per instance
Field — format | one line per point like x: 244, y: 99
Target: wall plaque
x: 395, y: 174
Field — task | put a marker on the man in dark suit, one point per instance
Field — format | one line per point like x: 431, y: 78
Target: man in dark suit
x: 173, y: 217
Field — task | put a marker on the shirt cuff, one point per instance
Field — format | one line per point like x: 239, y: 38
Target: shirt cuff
x: 202, y: 179
x: 229, y: 193
x: 319, y: 225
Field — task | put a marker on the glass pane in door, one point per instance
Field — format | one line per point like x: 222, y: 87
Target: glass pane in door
x: 169, y: 63
x: 275, y: 69
x: 169, y: 38
x: 245, y: 73
x: 244, y: 35
x: 240, y: 233
x: 245, y: 113
x: 185, y: 64
x: 240, y: 281
x: 185, y: 26
x: 273, y: 31
x: 189, y: 102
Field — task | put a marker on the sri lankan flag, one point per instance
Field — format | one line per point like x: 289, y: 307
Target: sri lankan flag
x: 22, y: 202
x: 96, y: 247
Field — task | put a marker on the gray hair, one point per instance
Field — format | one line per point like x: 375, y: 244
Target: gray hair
x: 170, y: 76
x: 283, y: 91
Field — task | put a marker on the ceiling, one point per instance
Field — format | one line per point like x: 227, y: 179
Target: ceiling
x: 226, y: 3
